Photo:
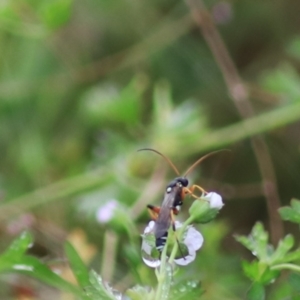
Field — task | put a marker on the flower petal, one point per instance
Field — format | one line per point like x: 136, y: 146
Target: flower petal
x: 183, y: 261
x: 215, y: 200
x: 193, y: 239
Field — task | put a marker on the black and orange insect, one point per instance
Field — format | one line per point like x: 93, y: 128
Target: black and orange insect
x: 175, y: 193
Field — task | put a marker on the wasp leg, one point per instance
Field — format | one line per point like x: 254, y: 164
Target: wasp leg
x: 153, y: 211
x: 191, y: 190
x: 174, y: 229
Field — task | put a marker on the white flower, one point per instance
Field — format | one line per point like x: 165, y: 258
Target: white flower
x: 215, y: 200
x: 193, y: 240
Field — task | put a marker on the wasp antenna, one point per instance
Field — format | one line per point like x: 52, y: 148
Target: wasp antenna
x: 201, y: 159
x: 166, y: 158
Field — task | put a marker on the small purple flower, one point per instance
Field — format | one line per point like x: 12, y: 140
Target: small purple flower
x: 106, y: 212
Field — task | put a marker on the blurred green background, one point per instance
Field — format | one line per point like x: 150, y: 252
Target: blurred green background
x: 85, y: 84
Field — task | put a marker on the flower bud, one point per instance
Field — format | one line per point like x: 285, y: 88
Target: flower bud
x: 206, y: 208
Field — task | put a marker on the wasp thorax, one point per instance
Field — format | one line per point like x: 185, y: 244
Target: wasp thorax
x: 169, y: 189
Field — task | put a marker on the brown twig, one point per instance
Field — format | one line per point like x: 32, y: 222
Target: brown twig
x: 240, y: 97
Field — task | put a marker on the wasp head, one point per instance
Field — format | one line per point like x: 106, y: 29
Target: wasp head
x: 178, y: 181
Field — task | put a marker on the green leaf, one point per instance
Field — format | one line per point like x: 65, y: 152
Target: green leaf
x: 187, y: 289
x: 14, y: 260
x: 97, y: 289
x: 140, y: 293
x: 245, y: 241
x: 251, y: 270
x: 292, y: 256
x: 295, y: 204
x: 291, y: 213
x: 256, y: 292
x: 260, y: 237
x: 257, y: 242
x: 108, y: 105
x: 31, y: 266
x: 18, y: 247
x: 259, y: 272
x: 282, y: 249
x: 268, y: 276
x: 284, y: 80
x: 79, y: 269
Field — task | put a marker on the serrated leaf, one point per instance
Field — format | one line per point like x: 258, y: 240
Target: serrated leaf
x: 260, y: 237
x: 292, y: 256
x: 140, y: 293
x: 257, y: 242
x: 79, y: 269
x: 295, y: 204
x: 291, y: 213
x: 251, y: 269
x: 187, y: 289
x: 256, y: 292
x: 259, y: 272
x: 268, y: 276
x: 245, y: 241
x: 97, y: 289
x: 282, y: 249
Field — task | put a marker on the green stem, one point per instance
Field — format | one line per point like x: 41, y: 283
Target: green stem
x: 180, y: 233
x: 161, y: 274
x: 286, y: 266
x: 163, y: 287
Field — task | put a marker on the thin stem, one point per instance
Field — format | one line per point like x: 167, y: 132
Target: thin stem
x: 240, y: 97
x: 180, y: 233
x: 286, y: 266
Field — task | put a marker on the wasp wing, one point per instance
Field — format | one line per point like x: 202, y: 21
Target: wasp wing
x: 163, y: 222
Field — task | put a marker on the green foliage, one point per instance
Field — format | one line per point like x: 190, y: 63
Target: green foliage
x: 15, y: 260
x: 266, y: 268
x: 84, y: 84
x: 257, y: 243
x: 79, y: 269
x: 291, y: 213
x: 107, y: 104
x: 284, y: 81
x: 55, y: 13
x: 259, y: 272
x: 256, y: 292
